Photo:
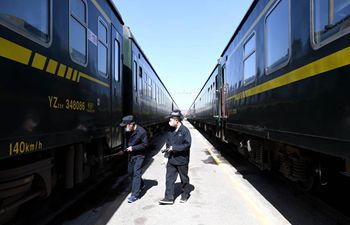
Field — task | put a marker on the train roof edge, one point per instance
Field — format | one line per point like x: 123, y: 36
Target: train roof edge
x: 247, y: 14
x: 114, y: 7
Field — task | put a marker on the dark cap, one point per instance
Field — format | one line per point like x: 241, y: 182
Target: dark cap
x: 127, y: 120
x: 176, y: 113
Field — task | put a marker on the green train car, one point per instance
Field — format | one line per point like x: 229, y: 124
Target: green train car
x: 280, y: 91
x: 66, y: 81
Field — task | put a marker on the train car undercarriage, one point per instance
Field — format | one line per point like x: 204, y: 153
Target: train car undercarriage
x: 37, y: 176
x: 309, y: 169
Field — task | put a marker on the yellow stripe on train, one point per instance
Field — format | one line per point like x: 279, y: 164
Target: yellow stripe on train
x: 91, y: 79
x: 14, y: 52
x: 328, y: 63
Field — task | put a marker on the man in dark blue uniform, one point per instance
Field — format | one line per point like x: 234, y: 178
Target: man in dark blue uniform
x: 135, y: 144
x: 178, y: 144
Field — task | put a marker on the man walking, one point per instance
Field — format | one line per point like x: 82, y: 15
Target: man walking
x: 178, y: 145
x: 135, y: 145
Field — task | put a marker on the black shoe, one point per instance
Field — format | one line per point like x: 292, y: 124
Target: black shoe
x: 143, y: 187
x: 184, y: 199
x: 166, y: 201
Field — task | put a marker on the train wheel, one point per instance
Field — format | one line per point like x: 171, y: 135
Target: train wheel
x: 317, y: 178
x: 308, y: 184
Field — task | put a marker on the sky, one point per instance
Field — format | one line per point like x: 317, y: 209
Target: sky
x: 183, y: 39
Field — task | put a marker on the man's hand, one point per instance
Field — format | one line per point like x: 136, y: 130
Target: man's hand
x: 167, y: 149
x: 129, y: 149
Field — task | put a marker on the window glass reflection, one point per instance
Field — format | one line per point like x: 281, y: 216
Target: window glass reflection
x: 78, y: 41
x: 78, y: 8
x: 32, y: 17
x: 116, y: 60
x: 249, y: 47
x: 102, y: 32
x: 330, y: 18
x: 277, y: 35
x: 102, y: 59
x: 249, y: 69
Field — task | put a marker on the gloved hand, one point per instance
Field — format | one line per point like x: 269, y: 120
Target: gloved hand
x: 167, y: 149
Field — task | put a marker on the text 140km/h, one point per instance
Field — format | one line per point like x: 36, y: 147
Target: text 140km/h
x: 21, y: 147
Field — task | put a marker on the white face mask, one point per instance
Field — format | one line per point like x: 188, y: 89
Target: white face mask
x: 172, y: 123
x: 127, y: 129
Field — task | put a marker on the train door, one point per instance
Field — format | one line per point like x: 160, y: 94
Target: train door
x: 223, y: 102
x: 141, y: 91
x: 116, y: 89
x: 135, y: 84
x: 223, y: 93
x: 217, y: 114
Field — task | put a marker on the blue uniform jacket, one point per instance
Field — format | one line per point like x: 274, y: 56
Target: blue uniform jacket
x: 181, y: 142
x: 137, y: 140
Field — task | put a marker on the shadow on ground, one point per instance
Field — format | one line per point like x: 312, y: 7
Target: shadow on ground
x: 295, y: 205
x: 98, y: 208
x: 148, y: 185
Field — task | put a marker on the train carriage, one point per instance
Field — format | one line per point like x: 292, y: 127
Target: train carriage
x: 65, y: 84
x: 205, y: 109
x: 284, y: 99
x: 151, y: 99
x: 59, y: 58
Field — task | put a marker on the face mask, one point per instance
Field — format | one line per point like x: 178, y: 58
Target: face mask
x: 127, y: 129
x: 172, y: 123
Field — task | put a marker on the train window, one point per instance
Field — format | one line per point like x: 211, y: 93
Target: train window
x: 102, y: 48
x: 79, y: 9
x: 102, y: 32
x: 249, y: 60
x: 149, y: 87
x: 158, y: 97
x: 277, y: 37
x: 116, y: 60
x: 153, y: 91
x: 140, y: 80
x: 29, y: 18
x: 135, y: 75
x: 145, y: 86
x: 78, y: 32
x: 140, y: 71
x: 330, y: 20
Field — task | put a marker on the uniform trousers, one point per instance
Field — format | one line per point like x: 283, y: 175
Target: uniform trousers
x: 171, y: 175
x: 135, y: 172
